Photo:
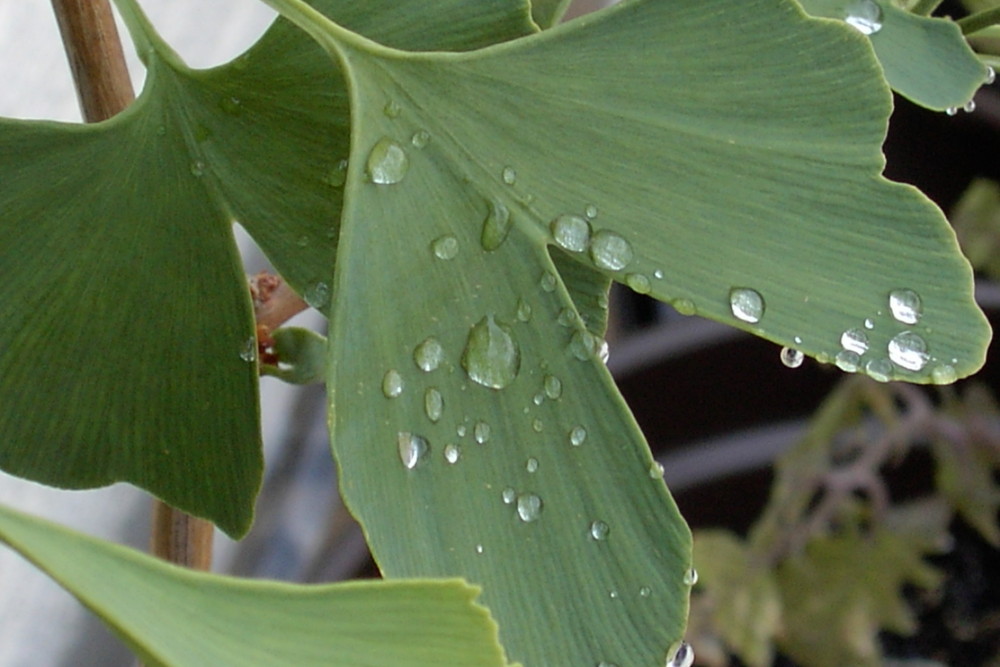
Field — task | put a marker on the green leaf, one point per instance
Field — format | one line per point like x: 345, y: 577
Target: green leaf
x: 976, y: 218
x: 547, y: 13
x: 128, y: 334
x: 173, y: 616
x: 926, y: 60
x: 300, y: 356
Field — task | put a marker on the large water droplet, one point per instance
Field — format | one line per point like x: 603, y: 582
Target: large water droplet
x: 865, y: 16
x: 680, y: 656
x: 879, y: 370
x: 746, y: 304
x: 571, y: 232
x: 509, y: 175
x: 387, y: 162
x: 496, y: 226
x: 492, y: 357
x: 691, y: 577
x: 791, y: 357
x: 553, y: 387
x: 433, y: 404
x: 529, y: 507
x: 392, y: 384
x: 854, y: 340
x: 583, y: 344
x: 610, y: 250
x: 481, y: 432
x: 639, y: 283
x: 249, y: 351
x: 599, y: 530
x: 317, y: 295
x: 908, y: 350
x: 452, y: 453
x: 412, y: 449
x: 428, y: 355
x: 848, y: 361
x: 577, y: 436
x: 524, y: 310
x: 445, y: 247
x: 944, y: 374
x: 905, y: 305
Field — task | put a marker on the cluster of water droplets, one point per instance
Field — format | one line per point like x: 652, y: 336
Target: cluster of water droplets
x: 970, y: 106
x: 607, y: 249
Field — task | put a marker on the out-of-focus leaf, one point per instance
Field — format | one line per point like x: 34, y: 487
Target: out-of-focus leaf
x: 547, y: 13
x: 965, y: 477
x: 301, y: 356
x: 976, y: 218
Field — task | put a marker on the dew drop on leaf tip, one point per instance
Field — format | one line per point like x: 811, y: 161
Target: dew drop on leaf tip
x: 791, y: 357
x: 691, y: 577
x: 746, y: 304
x: 865, y: 16
x: 681, y: 656
x: 991, y: 76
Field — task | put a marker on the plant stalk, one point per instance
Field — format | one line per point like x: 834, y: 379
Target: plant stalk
x: 925, y: 7
x: 974, y: 23
x: 104, y: 88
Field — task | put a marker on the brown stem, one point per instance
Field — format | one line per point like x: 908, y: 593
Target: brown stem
x: 103, y: 88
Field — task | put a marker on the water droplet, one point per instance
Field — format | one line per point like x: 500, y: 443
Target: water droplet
x: 529, y: 507
x: 460, y: 430
x: 433, y: 404
x: 553, y: 386
x: 548, y: 282
x: 508, y: 175
x: 951, y: 111
x: 869, y: 324
x: 537, y: 426
x: 610, y: 251
x: 583, y: 344
x: 991, y: 76
x: 604, y: 353
x: 639, y: 283
x: 645, y: 591
x: 479, y: 548
x: 452, y: 453
x: 509, y: 495
x: 658, y: 274
x: 847, y: 361
x: 879, y: 370
x: 905, y: 305
x: 865, y: 16
x: 524, y: 310
x: 420, y: 138
x: 538, y: 398
x: 317, y: 295
x: 392, y: 109
x: 590, y: 211
x: 496, y: 226
x: 231, y: 105
x: 428, y: 355
x: 944, y: 374
x: 198, y: 168
x: 680, y: 656
x: 791, y: 357
x: 746, y: 304
x: 249, y: 351
x: 603, y: 301
x: 599, y: 530
x: 481, y: 432
x: 571, y: 232
x: 605, y: 663
x: 854, y: 340
x: 969, y: 106
x: 577, y: 436
x: 392, y: 384
x: 613, y: 594
x: 567, y: 317
x: 656, y: 470
x: 387, y: 162
x: 908, y: 350
x: 531, y: 465
x: 691, y: 577
x: 798, y: 340
x: 338, y: 175
x: 684, y: 306
x: 445, y: 247
x: 411, y: 449
x: 492, y: 357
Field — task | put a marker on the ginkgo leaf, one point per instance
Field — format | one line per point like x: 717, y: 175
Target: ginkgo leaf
x: 546, y: 13
x: 128, y: 349
x: 173, y: 616
x: 925, y: 59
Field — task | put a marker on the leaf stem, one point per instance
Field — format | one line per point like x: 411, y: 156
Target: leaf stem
x: 327, y: 33
x: 979, y: 21
x: 144, y: 36
x: 104, y: 88
x: 926, y: 7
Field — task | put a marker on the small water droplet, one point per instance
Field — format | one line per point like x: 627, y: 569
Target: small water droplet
x: 854, y: 340
x: 433, y: 404
x: 479, y: 549
x: 492, y: 356
x: 613, y: 594
x: 645, y: 591
x: 604, y: 352
x: 879, y: 370
x: 680, y: 656
x: 508, y: 175
x: 338, y: 175
x: 691, y: 577
x: 387, y: 162
x: 198, y: 168
x: 656, y: 470
x: 577, y: 436
x: 798, y: 340
x: 908, y: 350
x: 537, y: 426
x: 571, y: 232
x: 791, y: 357
x: 452, y: 453
x: 392, y: 109
x: 420, y: 138
x: 599, y: 530
x: 538, y: 398
x: 317, y: 295
x: 496, y: 226
x: 951, y: 111
x: 590, y: 211
x: 905, y: 305
x: 231, y: 105
x: 639, y: 283
x: 567, y: 317
x: 429, y: 354
x: 249, y: 351
x: 529, y: 507
x: 944, y: 374
x: 610, y: 251
x: 553, y: 386
x: 865, y: 16
x: 684, y: 306
x: 746, y: 304
x: 392, y: 384
x: 509, y: 495
x: 847, y: 361
x: 445, y: 247
x: 869, y: 324
x: 603, y: 301
x: 460, y: 430
x: 969, y: 106
x: 412, y: 449
x: 658, y: 274
x: 991, y: 76
x: 548, y: 282
x: 531, y: 465
x: 481, y: 432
